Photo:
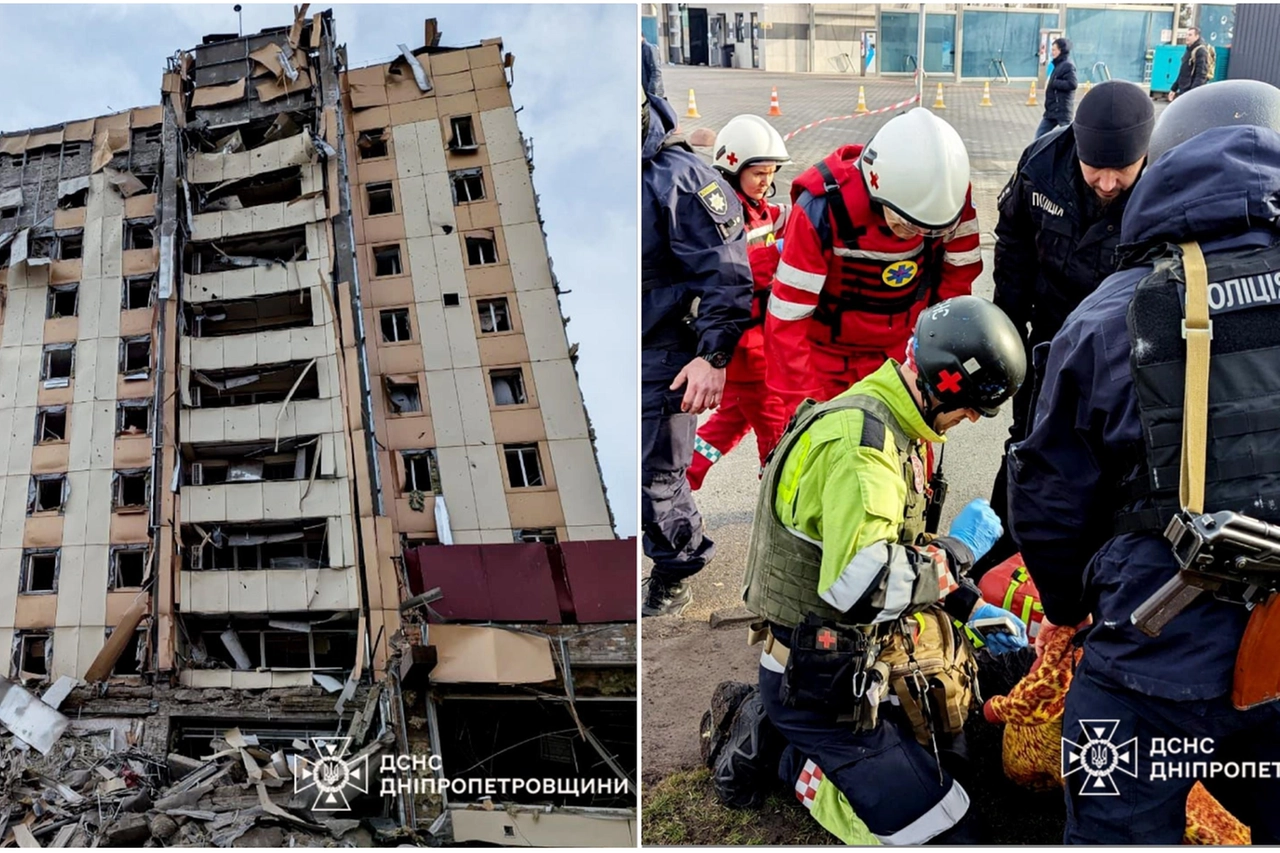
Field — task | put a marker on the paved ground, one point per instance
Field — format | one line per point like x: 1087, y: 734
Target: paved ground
x: 683, y: 657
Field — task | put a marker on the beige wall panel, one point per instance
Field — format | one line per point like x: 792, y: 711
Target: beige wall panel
x: 462, y: 334
x: 400, y: 358
x: 502, y: 135
x: 514, y: 189
x: 417, y: 217
x: 246, y: 591
x: 439, y: 192
x: 489, y: 78
x: 422, y: 268
x: 450, y: 62
x: 489, y: 488
x: 529, y: 508
x: 64, y: 219
x: 467, y: 537
x: 43, y: 531
x: 473, y: 400
x: 132, y: 262
x: 518, y: 425
x: 65, y: 272
x: 135, y: 322
x: 423, y: 109
x: 118, y: 604
x: 242, y: 422
x: 449, y: 265
x: 371, y: 119
x: 410, y: 433
x: 21, y: 429
x: 579, y: 481
x: 286, y: 590
x: 543, y: 327
x: 492, y: 280
x: 459, y: 492
x: 431, y: 143
x: 127, y: 528
x: 61, y: 330
x: 91, y: 267
x: 203, y: 503
x: 589, y: 533
x: 133, y: 451
x: 35, y: 611
x: 209, y: 591
x: 486, y: 55
x: 10, y: 566
x: 80, y: 497
x: 495, y: 536
x: 66, y: 652
x: 215, y: 168
x: 140, y: 205
x: 408, y: 159
x: 560, y: 399
x: 503, y: 348
x: 280, y: 500
x: 14, y: 512
x: 33, y: 317
x: 527, y: 254
x: 243, y: 502
x: 49, y: 458
x: 446, y: 414
x: 374, y: 171
x: 201, y: 425
x: 334, y: 589
x: 93, y: 574
x: 386, y: 228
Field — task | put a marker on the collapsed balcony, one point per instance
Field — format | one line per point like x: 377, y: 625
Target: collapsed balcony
x: 248, y: 386
x: 248, y: 250
x: 289, y: 459
x: 237, y: 316
x: 295, y: 544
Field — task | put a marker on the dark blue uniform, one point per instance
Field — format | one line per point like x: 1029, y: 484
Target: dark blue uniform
x: 1219, y: 188
x: 692, y: 247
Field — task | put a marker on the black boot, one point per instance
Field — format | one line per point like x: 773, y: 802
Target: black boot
x: 664, y: 598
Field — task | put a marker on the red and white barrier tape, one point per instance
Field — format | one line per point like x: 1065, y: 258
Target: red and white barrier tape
x: 897, y: 106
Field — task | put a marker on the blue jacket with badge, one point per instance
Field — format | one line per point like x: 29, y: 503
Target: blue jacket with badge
x: 1222, y: 189
x: 692, y: 246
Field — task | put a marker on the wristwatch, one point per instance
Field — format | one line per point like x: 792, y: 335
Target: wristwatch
x: 718, y: 360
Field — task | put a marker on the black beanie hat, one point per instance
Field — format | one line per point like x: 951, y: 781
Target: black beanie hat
x: 1113, y: 125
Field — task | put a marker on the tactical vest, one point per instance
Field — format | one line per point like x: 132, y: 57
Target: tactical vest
x: 1242, y: 472
x: 783, y: 570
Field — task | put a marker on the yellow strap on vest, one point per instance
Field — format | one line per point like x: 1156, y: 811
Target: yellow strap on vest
x: 1198, y: 331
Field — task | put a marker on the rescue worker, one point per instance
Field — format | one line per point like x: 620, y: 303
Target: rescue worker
x: 1193, y: 72
x: 835, y: 562
x: 1058, y: 231
x: 877, y: 233
x: 692, y: 247
x: 1094, y: 484
x: 748, y: 152
x: 1060, y: 90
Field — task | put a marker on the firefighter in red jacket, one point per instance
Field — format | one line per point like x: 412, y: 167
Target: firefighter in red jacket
x: 878, y: 233
x: 748, y: 152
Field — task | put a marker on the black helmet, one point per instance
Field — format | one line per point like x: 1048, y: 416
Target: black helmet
x: 968, y: 355
x: 1230, y: 102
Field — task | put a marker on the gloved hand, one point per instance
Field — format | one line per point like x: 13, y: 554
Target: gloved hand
x: 977, y: 526
x: 1001, y: 643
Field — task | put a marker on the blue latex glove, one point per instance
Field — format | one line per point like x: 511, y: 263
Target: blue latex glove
x: 977, y: 526
x: 778, y: 243
x: 1000, y: 644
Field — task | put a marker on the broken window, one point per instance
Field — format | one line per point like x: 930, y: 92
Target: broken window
x: 274, y: 187
x: 468, y: 185
x: 523, y: 468
x: 150, y: 136
x: 40, y: 569
x: 138, y: 234
x: 386, y: 260
x: 51, y: 424
x: 33, y: 654
x: 283, y: 641
x: 135, y: 357
x: 133, y: 417
x: 481, y: 250
x: 372, y: 144
x: 464, y: 137
x: 10, y: 209
x: 132, y: 489
x: 135, y: 653
x: 248, y: 386
x: 128, y: 566
x: 148, y: 181
x: 395, y: 325
x: 380, y: 199
x: 237, y: 316
x: 298, y: 544
x: 71, y: 246
x: 508, y: 387
x: 402, y: 395
x: 74, y: 150
x: 137, y: 291
x: 58, y: 366
x: 48, y: 493
x: 421, y: 473
x: 546, y: 535
x: 40, y: 249
x: 63, y: 301
x: 290, y: 459
x: 493, y: 315
x: 260, y: 249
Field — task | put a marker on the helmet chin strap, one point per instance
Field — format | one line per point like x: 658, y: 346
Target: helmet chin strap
x: 931, y: 412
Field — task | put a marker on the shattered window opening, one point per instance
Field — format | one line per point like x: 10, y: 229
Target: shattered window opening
x: 34, y: 651
x: 133, y: 417
x: 51, y: 424
x: 464, y: 138
x: 262, y: 645
x: 262, y: 249
x: 481, y: 250
x: 494, y: 316
x: 74, y: 150
x: 421, y: 471
x: 132, y: 489
x: 468, y: 185
x: 49, y: 493
x: 372, y: 144
x: 135, y: 357
x: 213, y: 464
x: 64, y: 300
x: 545, y: 535
x: 137, y: 291
x: 129, y: 663
x: 238, y: 316
x: 403, y: 397
x: 128, y: 566
x: 386, y: 260
x: 40, y: 570
x: 248, y: 386
x: 71, y: 246
x: 275, y: 187
x: 508, y: 387
x: 380, y: 199
x: 149, y: 181
x: 256, y: 546
x: 395, y: 325
x: 523, y: 468
x: 149, y: 136
x: 59, y: 365
x: 138, y: 234
x: 71, y: 201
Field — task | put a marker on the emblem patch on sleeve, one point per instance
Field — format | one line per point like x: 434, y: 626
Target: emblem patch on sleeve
x: 712, y: 198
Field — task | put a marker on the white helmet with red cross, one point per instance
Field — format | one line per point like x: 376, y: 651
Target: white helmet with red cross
x: 747, y: 140
x: 917, y: 166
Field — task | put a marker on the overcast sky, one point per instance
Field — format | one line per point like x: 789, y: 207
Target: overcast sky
x: 575, y: 77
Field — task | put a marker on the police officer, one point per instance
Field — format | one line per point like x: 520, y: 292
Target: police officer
x: 692, y: 248
x: 1058, y: 231
x: 1094, y: 484
x: 837, y: 542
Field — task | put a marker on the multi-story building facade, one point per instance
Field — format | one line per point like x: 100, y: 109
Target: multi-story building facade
x: 257, y: 340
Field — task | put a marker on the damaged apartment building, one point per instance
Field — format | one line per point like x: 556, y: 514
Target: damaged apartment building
x: 295, y: 449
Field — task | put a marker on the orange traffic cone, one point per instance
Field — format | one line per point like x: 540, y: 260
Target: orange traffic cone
x: 862, y: 101
x: 937, y: 102
x: 986, y: 94
x: 774, y: 110
x: 693, y: 107
x: 1031, y: 101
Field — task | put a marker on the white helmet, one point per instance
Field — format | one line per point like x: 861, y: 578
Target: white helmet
x: 917, y: 166
x: 745, y: 140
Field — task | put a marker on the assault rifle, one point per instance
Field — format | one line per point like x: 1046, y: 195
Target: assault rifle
x: 1231, y: 555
